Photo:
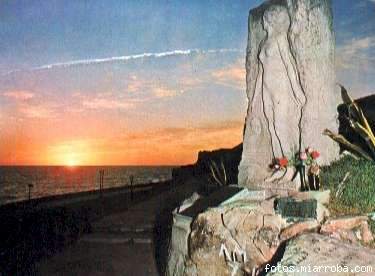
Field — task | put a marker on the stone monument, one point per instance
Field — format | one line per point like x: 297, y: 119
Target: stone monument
x: 290, y: 88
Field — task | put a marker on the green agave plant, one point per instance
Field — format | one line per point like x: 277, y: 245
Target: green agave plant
x: 359, y: 124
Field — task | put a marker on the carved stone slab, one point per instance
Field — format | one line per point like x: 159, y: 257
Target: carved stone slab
x: 290, y: 88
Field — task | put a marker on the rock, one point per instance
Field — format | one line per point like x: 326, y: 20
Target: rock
x: 322, y: 212
x: 178, y: 248
x: 322, y: 197
x: 187, y: 203
x: 298, y: 228
x: 181, y: 229
x: 237, y: 237
x: 345, y: 235
x: 269, y: 205
x: 315, y: 254
x: 343, y: 223
x: 352, y: 229
x: 366, y: 233
x: 290, y: 87
x: 246, y: 194
x: 246, y: 236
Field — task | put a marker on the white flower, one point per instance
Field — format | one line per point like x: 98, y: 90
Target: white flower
x: 309, y: 150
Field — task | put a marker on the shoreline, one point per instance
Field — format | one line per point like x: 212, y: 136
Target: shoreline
x: 75, y: 197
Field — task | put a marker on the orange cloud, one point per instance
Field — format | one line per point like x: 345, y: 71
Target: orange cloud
x: 103, y: 103
x: 26, y: 104
x: 134, y: 85
x: 19, y: 95
x: 138, y: 84
x: 162, y: 92
x: 157, y: 90
x: 234, y: 76
x: 181, y: 145
x: 37, y: 111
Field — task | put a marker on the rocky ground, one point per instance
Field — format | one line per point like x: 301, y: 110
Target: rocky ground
x: 317, y: 254
x: 248, y: 236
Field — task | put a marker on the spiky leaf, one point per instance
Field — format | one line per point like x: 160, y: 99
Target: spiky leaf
x: 352, y: 147
x: 353, y: 109
x: 365, y: 135
x: 345, y: 96
x: 366, y: 125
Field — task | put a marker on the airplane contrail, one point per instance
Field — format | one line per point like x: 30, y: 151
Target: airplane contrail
x: 122, y: 58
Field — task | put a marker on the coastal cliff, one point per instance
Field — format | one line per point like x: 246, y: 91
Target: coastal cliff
x: 230, y: 158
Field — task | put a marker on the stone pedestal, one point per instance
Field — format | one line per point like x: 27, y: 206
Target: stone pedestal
x: 179, y: 245
x: 290, y: 88
x: 238, y: 231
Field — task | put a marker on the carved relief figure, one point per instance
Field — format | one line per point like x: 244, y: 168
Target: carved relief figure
x: 282, y: 96
x: 290, y: 79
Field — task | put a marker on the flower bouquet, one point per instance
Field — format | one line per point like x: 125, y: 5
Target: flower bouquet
x: 300, y: 161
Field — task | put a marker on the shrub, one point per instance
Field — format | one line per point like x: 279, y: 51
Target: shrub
x: 358, y: 189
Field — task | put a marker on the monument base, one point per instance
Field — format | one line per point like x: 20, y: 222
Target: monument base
x: 239, y: 220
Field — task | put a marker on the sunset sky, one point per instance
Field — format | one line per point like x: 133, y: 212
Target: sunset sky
x: 140, y: 82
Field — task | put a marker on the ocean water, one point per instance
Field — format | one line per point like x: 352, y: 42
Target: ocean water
x: 55, y: 180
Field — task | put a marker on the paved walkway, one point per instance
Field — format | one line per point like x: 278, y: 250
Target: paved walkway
x: 120, y: 244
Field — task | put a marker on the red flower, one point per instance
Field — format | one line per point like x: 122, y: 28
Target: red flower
x: 282, y: 162
x: 315, y: 154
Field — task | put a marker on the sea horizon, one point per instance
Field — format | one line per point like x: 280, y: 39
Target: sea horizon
x: 16, y: 182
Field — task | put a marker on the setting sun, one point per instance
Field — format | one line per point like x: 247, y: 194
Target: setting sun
x: 72, y: 153
x: 70, y: 158
x: 71, y: 162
